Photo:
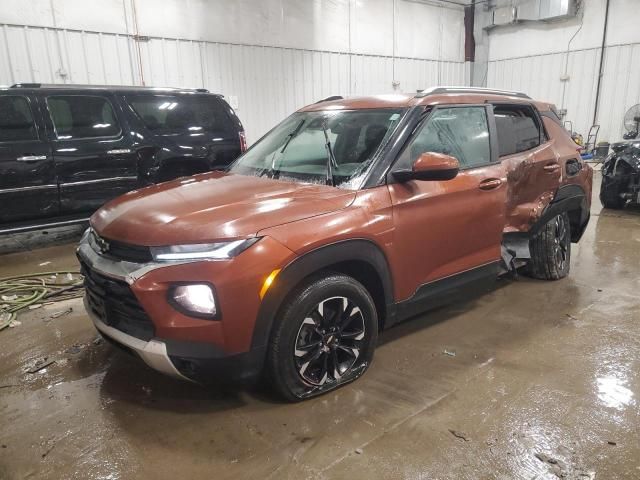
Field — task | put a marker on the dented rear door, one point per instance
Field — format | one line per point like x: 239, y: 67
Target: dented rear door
x: 530, y: 161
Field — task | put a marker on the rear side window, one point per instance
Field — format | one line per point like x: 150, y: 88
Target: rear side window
x: 461, y: 132
x: 193, y: 114
x: 82, y: 116
x: 518, y: 129
x: 16, y: 120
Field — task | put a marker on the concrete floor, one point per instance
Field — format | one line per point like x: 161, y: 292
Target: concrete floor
x: 541, y: 380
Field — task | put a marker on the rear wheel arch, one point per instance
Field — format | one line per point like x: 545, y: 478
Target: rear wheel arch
x: 360, y: 259
x: 571, y: 199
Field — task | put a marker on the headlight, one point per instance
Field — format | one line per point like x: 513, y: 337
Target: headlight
x: 202, y: 251
x: 195, y: 299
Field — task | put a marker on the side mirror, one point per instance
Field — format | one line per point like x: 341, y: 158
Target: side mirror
x: 430, y: 166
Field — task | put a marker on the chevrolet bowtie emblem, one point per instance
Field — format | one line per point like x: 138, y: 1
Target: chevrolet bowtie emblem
x: 101, y: 243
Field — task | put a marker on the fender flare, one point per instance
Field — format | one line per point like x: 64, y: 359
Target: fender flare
x: 568, y: 198
x: 321, y: 258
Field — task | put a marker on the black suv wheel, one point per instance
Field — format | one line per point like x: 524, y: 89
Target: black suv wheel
x: 551, y: 249
x: 324, y: 337
x: 610, y: 190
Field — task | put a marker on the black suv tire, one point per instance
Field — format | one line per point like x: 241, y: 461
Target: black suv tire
x: 324, y: 337
x: 551, y: 249
x: 610, y: 191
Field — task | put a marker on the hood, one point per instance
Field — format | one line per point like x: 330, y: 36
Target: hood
x: 212, y: 206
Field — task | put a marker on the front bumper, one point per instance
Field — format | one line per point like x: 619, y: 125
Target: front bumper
x: 188, y: 361
x: 153, y: 352
x: 171, y: 342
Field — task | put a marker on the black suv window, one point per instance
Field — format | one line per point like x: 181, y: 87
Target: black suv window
x: 191, y: 114
x: 461, y: 132
x: 82, y: 116
x: 518, y: 129
x: 16, y: 121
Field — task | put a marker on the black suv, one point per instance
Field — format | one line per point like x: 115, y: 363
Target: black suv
x: 621, y: 175
x: 66, y: 149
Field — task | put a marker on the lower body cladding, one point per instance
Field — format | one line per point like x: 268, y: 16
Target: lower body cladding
x: 130, y: 306
x: 190, y: 361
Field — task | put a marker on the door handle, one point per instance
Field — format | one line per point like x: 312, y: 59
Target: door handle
x: 119, y: 151
x: 552, y: 167
x: 490, y: 184
x: 31, y: 158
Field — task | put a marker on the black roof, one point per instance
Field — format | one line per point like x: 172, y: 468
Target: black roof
x: 111, y: 88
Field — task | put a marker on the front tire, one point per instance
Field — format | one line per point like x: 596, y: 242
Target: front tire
x: 323, y: 338
x: 551, y: 249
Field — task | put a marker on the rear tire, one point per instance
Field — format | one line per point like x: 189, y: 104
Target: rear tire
x: 551, y: 249
x: 323, y: 338
x: 610, y: 191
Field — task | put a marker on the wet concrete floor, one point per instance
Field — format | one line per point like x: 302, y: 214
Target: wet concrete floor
x: 534, y: 380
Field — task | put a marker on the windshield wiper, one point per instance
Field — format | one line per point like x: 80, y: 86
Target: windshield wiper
x: 290, y: 135
x: 331, y: 159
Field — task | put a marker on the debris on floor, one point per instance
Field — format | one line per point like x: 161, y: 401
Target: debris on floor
x: 41, y: 365
x: 30, y: 291
x: 74, y: 349
x: 5, y: 320
x: 51, y: 445
x: 61, y: 313
x: 460, y: 435
x: 557, y: 467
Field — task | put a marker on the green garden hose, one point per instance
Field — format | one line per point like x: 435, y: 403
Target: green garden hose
x: 22, y: 291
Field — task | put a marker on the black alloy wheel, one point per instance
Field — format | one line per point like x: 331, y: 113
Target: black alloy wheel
x: 323, y: 336
x: 329, y: 341
x: 551, y: 249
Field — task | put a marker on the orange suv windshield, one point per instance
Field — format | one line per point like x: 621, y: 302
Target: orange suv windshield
x: 328, y: 147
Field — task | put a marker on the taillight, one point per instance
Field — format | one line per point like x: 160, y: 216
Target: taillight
x: 243, y: 141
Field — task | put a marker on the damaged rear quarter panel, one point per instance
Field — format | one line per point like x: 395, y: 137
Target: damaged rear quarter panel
x: 531, y: 187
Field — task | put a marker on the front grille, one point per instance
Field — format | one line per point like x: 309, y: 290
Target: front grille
x: 129, y: 253
x: 119, y: 250
x: 113, y: 302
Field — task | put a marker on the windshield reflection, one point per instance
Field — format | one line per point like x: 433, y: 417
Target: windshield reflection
x: 329, y: 147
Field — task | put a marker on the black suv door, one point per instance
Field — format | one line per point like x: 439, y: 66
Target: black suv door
x: 92, y: 149
x: 28, y: 187
x: 198, y: 132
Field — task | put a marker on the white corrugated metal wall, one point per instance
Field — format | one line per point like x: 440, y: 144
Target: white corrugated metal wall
x: 531, y: 56
x: 269, y: 82
x: 539, y: 76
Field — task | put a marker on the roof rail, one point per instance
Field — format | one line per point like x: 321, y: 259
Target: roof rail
x: 105, y: 87
x: 486, y: 91
x: 332, y: 97
x: 26, y: 85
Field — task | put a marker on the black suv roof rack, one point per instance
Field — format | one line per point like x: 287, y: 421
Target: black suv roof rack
x: 63, y: 86
x: 489, y: 91
x: 332, y: 97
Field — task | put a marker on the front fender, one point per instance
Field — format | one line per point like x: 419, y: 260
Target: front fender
x: 314, y: 261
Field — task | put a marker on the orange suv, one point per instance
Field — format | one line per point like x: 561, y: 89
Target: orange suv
x: 348, y: 217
